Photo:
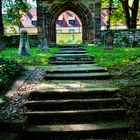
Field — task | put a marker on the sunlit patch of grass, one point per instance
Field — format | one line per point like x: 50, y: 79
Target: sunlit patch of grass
x: 37, y: 57
x: 116, y: 56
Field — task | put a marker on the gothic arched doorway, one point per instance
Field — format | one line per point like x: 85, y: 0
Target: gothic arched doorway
x: 48, y: 15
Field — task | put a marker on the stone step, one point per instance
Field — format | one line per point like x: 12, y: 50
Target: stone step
x: 86, y: 93
x: 72, y: 49
x: 67, y: 62
x: 97, y: 130
x: 68, y: 69
x: 77, y: 76
x: 73, y: 104
x: 72, y: 52
x: 75, y: 116
x: 70, y: 57
x: 70, y: 46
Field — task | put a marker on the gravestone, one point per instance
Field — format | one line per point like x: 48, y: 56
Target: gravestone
x: 132, y: 40
x: 24, y: 47
x: 108, y: 40
x: 44, y: 44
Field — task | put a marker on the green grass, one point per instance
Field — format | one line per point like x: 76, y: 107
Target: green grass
x: 113, y: 57
x: 103, y: 57
x: 37, y: 57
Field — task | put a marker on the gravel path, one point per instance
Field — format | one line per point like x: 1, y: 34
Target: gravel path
x: 14, y: 108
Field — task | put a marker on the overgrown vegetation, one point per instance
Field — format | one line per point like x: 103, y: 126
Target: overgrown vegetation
x: 37, y: 57
x: 8, y: 71
x: 116, y: 56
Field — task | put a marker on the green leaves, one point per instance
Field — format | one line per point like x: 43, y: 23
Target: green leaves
x: 8, y: 70
x: 15, y: 10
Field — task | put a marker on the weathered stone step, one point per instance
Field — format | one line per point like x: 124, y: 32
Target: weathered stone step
x: 70, y: 57
x: 77, y: 76
x: 75, y: 116
x: 67, y: 69
x: 76, y: 131
x: 67, y: 62
x: 70, y: 46
x: 72, y: 49
x: 73, y: 104
x: 72, y: 52
x: 86, y: 93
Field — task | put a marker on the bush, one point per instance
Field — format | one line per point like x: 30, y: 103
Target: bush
x: 8, y: 71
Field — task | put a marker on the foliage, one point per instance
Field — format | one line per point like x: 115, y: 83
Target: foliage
x: 113, y: 57
x: 14, y: 11
x: 124, y: 11
x: 37, y: 57
x: 8, y: 70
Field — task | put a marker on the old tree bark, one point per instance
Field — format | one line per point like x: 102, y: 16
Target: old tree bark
x: 131, y: 13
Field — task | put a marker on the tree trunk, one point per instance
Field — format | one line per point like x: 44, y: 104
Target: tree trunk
x: 131, y: 18
x: 133, y: 23
x: 127, y: 13
x: 1, y: 23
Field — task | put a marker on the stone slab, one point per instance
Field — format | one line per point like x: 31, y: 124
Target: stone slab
x: 67, y: 62
x: 77, y: 69
x: 77, y: 76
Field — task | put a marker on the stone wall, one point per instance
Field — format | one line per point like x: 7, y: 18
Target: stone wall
x: 121, y: 36
x: 14, y: 40
x: 118, y: 36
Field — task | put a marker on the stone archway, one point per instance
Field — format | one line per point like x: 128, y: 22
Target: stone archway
x: 89, y: 14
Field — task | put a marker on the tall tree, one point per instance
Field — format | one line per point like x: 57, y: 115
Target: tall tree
x: 131, y: 13
x: 15, y: 10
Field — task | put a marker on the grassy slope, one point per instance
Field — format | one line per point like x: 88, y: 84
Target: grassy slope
x: 113, y: 57
x: 37, y: 57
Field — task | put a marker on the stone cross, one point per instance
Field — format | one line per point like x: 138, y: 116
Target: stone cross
x: 24, y: 47
x: 108, y: 41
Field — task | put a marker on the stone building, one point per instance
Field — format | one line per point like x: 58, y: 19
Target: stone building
x: 88, y: 12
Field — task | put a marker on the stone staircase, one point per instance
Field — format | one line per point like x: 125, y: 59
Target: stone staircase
x: 71, y: 55
x: 74, y: 112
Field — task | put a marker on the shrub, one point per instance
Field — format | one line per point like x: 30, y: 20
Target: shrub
x: 8, y: 71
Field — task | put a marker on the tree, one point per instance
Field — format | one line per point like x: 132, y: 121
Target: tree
x: 15, y: 10
x: 131, y: 13
x: 1, y: 23
x: 127, y: 10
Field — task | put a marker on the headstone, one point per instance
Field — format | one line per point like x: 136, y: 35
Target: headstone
x: 133, y: 40
x: 24, y: 47
x: 108, y: 41
x: 44, y: 44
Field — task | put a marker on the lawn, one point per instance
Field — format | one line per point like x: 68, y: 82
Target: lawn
x: 108, y: 58
x: 37, y: 57
x: 114, y: 57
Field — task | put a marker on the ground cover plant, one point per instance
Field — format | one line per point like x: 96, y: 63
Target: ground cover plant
x: 8, y: 71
